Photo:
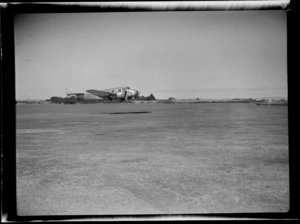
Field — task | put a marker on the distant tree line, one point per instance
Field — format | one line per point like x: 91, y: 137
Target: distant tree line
x: 72, y: 100
x: 75, y: 100
x: 150, y: 97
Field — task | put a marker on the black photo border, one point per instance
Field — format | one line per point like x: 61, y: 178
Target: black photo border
x: 8, y: 112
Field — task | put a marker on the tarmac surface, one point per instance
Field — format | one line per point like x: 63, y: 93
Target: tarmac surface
x: 106, y: 159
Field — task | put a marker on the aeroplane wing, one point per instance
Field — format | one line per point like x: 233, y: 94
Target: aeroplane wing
x: 100, y: 93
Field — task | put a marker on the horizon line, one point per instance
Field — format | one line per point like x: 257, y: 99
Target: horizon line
x: 184, y: 98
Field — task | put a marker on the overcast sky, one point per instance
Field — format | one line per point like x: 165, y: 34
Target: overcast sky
x: 212, y: 54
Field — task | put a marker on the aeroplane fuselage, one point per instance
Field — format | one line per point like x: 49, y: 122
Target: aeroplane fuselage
x: 122, y: 93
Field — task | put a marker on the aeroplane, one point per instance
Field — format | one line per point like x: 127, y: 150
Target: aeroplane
x: 121, y: 93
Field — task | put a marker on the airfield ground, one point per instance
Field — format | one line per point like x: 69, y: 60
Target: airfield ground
x: 107, y: 159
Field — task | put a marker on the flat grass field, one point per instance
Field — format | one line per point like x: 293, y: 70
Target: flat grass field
x: 107, y: 159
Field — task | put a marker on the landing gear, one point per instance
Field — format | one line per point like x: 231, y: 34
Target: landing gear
x: 126, y: 96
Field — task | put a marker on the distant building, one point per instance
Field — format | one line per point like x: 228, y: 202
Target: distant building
x: 70, y: 93
x: 77, y: 95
